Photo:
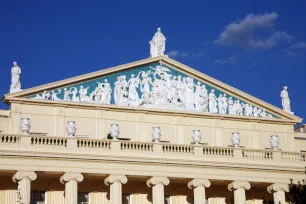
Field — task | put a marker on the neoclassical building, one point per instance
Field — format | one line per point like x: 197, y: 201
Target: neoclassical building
x: 151, y: 131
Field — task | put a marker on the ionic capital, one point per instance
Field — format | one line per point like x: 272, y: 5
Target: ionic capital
x: 198, y: 182
x: 19, y: 175
x: 71, y: 176
x: 115, y: 179
x: 157, y: 180
x: 238, y: 185
x: 278, y: 187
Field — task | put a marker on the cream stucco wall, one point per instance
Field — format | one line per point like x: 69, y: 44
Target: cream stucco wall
x: 137, y: 125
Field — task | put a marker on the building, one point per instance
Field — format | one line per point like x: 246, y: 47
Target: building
x: 151, y: 131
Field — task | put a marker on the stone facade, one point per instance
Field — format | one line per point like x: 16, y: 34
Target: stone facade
x: 56, y: 164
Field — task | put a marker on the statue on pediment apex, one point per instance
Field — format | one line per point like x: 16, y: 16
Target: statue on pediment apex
x: 285, y: 100
x: 157, y: 44
x: 15, y: 80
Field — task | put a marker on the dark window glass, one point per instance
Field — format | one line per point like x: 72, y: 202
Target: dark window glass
x: 126, y: 198
x: 167, y: 199
x: 37, y: 197
x: 83, y: 198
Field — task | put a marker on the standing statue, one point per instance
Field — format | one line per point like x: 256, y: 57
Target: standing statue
x: 74, y: 92
x: 83, y: 94
x: 106, y: 93
x: 230, y: 105
x: 157, y: 44
x: 285, y: 100
x: 15, y: 81
x: 224, y: 104
x: 145, y: 83
x: 197, y: 98
x: 220, y: 103
x: 189, y: 93
x: 212, y: 102
x: 67, y: 94
x: 118, y: 92
x: 133, y: 85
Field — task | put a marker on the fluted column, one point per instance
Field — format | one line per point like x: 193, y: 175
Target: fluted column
x: 198, y: 186
x: 239, y: 188
x: 24, y: 179
x: 71, y: 181
x: 278, y: 191
x: 157, y: 184
x: 115, y: 182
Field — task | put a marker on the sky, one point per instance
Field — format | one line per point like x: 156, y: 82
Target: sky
x: 255, y: 46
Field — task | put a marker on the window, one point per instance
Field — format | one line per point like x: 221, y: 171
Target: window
x: 126, y: 198
x: 83, y: 198
x: 37, y: 197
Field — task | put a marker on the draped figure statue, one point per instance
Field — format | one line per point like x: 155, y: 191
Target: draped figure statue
x: 15, y: 81
x: 157, y: 44
x: 285, y: 100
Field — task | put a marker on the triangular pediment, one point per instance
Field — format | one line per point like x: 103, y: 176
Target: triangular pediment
x: 158, y: 83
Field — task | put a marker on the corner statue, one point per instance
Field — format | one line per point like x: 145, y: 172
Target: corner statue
x: 15, y: 81
x: 157, y: 44
x: 285, y: 100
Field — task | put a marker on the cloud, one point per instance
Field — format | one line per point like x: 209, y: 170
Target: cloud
x: 231, y: 60
x: 198, y: 54
x: 176, y: 53
x: 296, y: 50
x: 248, y: 33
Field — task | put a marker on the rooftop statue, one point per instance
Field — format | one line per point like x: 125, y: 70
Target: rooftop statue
x: 157, y: 44
x: 15, y: 81
x: 285, y: 100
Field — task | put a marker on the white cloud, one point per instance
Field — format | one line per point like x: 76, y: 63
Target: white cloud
x: 176, y: 53
x: 248, y: 33
x: 296, y: 50
x: 231, y: 60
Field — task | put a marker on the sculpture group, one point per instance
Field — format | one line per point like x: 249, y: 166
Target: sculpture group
x: 156, y: 88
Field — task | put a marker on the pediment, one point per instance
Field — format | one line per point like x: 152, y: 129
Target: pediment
x: 155, y: 83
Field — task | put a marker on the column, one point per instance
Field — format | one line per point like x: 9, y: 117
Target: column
x: 198, y: 186
x: 71, y: 181
x: 24, y: 179
x: 278, y: 191
x: 239, y: 188
x: 115, y: 182
x: 157, y: 184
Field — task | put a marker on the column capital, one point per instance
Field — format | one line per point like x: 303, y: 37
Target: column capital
x: 115, y: 179
x: 19, y: 175
x: 239, y: 184
x: 278, y: 187
x: 66, y: 177
x: 198, y: 182
x: 157, y: 180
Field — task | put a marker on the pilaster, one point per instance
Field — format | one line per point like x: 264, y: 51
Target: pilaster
x: 198, y: 186
x: 157, y: 184
x: 278, y: 191
x: 71, y: 181
x: 239, y: 188
x: 115, y: 182
x: 24, y: 179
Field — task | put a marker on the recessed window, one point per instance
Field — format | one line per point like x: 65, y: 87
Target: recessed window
x: 167, y: 199
x: 37, y: 197
x: 126, y: 198
x: 83, y: 198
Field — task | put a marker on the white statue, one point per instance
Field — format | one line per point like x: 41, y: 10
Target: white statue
x: 45, y: 95
x: 224, y: 104
x: 285, y: 100
x: 15, y: 81
x: 71, y: 128
x: 74, y: 92
x: 83, y: 94
x: 246, y: 110
x: 236, y: 139
x: 115, y: 131
x: 220, y: 103
x: 54, y: 96
x: 196, y: 136
x: 156, y: 134
x: 25, y: 126
x: 189, y: 93
x: 274, y: 141
x: 255, y: 112
x: 133, y: 85
x: 67, y: 94
x: 118, y: 90
x: 106, y: 93
x: 146, y: 82
x: 203, y: 99
x: 160, y: 90
x: 197, y: 95
x: 157, y: 44
x: 230, y: 105
x: 212, y: 102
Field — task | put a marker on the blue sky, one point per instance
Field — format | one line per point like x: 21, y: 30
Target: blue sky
x: 255, y: 46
